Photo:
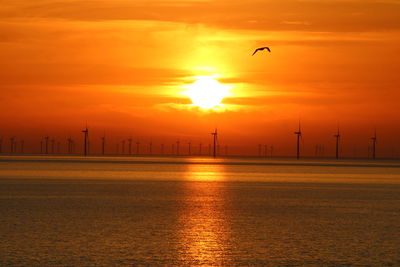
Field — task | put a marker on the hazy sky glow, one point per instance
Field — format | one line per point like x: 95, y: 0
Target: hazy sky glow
x: 122, y: 66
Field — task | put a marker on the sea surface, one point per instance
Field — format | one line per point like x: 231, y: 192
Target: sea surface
x: 171, y: 211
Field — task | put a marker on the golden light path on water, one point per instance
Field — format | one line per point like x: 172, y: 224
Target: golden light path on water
x: 204, y: 232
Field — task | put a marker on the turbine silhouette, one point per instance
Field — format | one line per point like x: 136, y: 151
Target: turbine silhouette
x: 69, y: 145
x: 103, y: 144
x: 337, y: 136
x: 298, y: 133
x: 85, y: 144
x: 46, y: 139
x: 12, y: 139
x: 374, y: 140
x: 215, y: 142
x: 130, y: 146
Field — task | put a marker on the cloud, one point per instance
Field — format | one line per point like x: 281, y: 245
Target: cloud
x: 87, y: 74
x: 221, y: 108
x: 267, y: 15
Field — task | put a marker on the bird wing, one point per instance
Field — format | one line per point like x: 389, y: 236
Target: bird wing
x: 269, y: 50
x: 255, y: 51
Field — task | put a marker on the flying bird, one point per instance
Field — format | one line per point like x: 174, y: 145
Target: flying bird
x: 260, y: 49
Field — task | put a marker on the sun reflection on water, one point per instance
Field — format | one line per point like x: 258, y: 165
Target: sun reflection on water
x: 205, y: 173
x: 204, y: 230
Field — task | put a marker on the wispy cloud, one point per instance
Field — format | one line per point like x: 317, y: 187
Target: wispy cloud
x: 268, y: 15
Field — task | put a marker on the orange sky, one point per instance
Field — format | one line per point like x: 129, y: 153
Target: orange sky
x: 122, y: 65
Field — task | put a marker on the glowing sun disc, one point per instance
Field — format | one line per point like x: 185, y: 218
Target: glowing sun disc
x: 206, y: 92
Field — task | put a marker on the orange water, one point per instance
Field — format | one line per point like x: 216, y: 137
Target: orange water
x: 63, y: 211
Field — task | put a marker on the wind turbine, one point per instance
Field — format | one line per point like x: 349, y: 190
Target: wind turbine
x: 72, y: 146
x: 130, y: 146
x: 215, y: 142
x: 46, y: 144
x: 177, y: 148
x: 337, y: 136
x: 103, y: 144
x: 52, y: 145
x: 374, y: 139
x: 85, y: 144
x: 12, y: 145
x: 298, y: 133
x: 22, y: 146
x: 69, y: 141
x: 137, y: 147
x: 123, y: 146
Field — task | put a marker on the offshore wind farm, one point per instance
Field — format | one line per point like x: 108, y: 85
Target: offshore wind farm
x: 105, y: 146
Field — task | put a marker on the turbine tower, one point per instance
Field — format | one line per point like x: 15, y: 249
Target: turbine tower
x: 12, y: 145
x: 46, y: 140
x: 137, y: 147
x: 337, y: 136
x: 85, y: 144
x: 374, y: 145
x: 151, y: 148
x: 72, y: 146
x: 52, y: 145
x: 177, y: 148
x: 215, y: 142
x: 69, y: 141
x: 22, y: 146
x: 298, y: 133
x: 130, y: 146
x: 103, y: 144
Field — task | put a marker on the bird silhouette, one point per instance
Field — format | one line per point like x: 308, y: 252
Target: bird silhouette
x: 260, y: 49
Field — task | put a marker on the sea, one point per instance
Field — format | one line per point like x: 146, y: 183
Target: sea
x: 198, y: 211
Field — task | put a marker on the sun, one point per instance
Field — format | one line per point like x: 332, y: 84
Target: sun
x: 206, y: 92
